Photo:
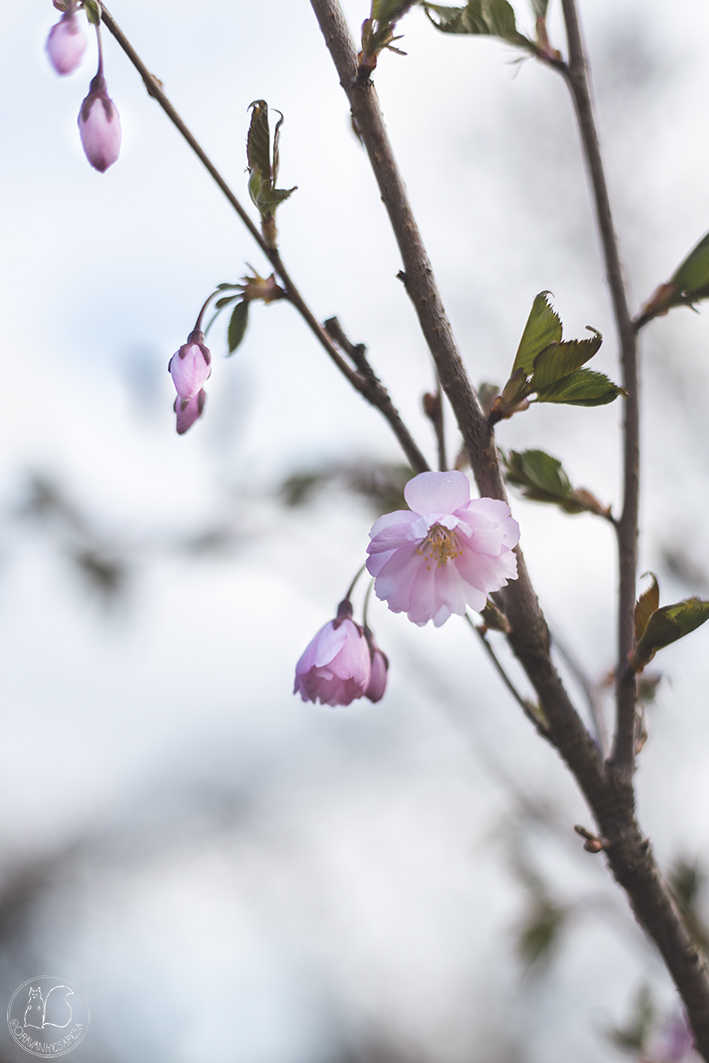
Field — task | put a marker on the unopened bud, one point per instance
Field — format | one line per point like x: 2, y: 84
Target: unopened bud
x: 66, y: 44
x: 190, y: 366
x: 189, y: 411
x: 100, y: 126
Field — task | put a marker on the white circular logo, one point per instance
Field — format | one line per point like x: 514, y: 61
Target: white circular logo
x: 47, y: 1016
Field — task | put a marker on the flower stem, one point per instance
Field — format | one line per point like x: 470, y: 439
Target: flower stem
x: 354, y: 581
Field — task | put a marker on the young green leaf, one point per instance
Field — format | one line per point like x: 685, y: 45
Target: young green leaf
x: 559, y: 360
x: 540, y: 8
x: 543, y: 327
x: 691, y: 279
x: 582, y: 388
x: 237, y: 325
x: 543, y: 479
x: 646, y: 605
x: 93, y: 12
x: 665, y: 626
x: 492, y: 18
x: 258, y: 141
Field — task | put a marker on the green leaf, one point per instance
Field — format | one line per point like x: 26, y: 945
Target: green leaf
x: 388, y: 10
x: 540, y: 8
x: 224, y: 301
x: 269, y: 199
x: 542, y: 478
x: 258, y: 141
x: 668, y: 624
x: 237, y: 324
x: 492, y: 18
x: 543, y: 327
x: 276, y: 142
x: 582, y: 388
x: 646, y: 605
x: 559, y: 360
x: 692, y: 278
x: 93, y: 12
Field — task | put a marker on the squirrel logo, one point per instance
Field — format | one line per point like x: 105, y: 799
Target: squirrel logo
x: 51, y: 1011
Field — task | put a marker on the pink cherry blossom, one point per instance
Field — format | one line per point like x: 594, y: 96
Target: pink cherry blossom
x: 379, y: 668
x: 189, y: 410
x: 66, y: 44
x: 444, y: 554
x: 100, y: 126
x: 190, y: 366
x: 335, y: 668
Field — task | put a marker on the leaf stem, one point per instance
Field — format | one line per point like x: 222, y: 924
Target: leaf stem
x: 368, y: 386
x: 577, y: 79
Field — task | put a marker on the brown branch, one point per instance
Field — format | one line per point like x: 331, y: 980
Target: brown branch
x: 367, y: 385
x: 529, y: 637
x: 608, y: 791
x: 576, y: 75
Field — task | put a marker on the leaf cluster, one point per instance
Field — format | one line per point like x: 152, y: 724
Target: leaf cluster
x: 544, y: 479
x: 550, y: 367
x: 657, y: 627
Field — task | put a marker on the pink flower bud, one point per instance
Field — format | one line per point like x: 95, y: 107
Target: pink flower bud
x: 190, y: 366
x: 335, y: 668
x: 100, y: 126
x: 188, y: 411
x: 378, y: 672
x: 66, y: 44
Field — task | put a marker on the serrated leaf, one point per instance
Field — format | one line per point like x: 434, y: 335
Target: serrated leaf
x: 582, y: 388
x: 542, y: 478
x: 276, y: 142
x: 492, y: 18
x: 559, y: 360
x: 237, y: 325
x: 646, y: 605
x: 258, y: 141
x: 691, y: 279
x: 666, y: 625
x: 543, y: 327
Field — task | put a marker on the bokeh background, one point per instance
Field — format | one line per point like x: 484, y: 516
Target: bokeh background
x: 224, y: 871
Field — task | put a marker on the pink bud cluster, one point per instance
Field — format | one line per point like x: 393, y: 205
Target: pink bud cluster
x: 99, y: 124
x: 190, y: 367
x: 342, y: 663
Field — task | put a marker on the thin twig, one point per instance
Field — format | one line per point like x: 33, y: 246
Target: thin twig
x: 576, y: 76
x: 589, y: 689
x: 500, y: 669
x: 367, y: 385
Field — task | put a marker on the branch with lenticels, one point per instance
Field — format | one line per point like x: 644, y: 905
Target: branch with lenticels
x: 608, y: 787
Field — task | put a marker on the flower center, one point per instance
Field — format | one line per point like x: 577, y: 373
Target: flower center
x: 440, y: 545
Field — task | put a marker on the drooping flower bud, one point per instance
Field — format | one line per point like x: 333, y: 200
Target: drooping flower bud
x: 100, y: 126
x: 336, y: 666
x: 189, y: 410
x: 379, y: 667
x: 190, y: 366
x: 66, y: 44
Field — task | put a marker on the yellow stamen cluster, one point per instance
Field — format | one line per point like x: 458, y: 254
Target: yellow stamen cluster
x: 440, y: 545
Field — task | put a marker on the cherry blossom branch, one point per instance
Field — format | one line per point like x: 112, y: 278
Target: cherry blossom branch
x: 608, y: 790
x: 576, y: 76
x: 366, y: 383
x: 497, y: 664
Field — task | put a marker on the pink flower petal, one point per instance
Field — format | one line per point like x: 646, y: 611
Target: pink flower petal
x: 437, y: 492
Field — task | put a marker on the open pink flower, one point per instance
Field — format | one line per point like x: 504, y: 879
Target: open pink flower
x: 100, y: 126
x: 444, y: 554
x: 335, y: 668
x: 66, y: 44
x: 190, y: 366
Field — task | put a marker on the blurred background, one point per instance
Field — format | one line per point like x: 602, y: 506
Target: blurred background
x: 224, y: 871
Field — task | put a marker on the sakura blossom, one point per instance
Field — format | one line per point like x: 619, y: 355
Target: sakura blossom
x: 190, y: 366
x: 336, y: 666
x: 446, y: 552
x: 100, y: 126
x: 66, y: 44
